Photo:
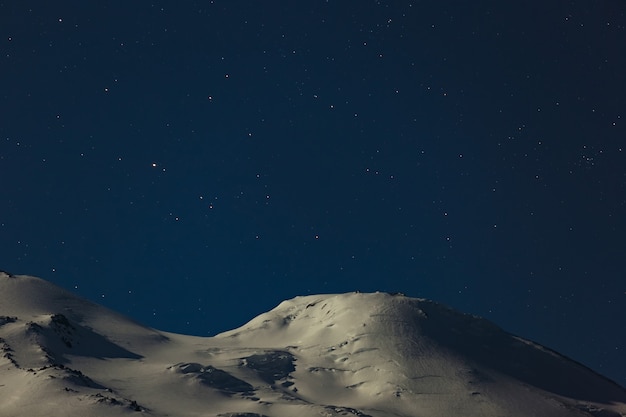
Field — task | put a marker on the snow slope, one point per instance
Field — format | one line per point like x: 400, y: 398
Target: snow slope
x: 378, y: 355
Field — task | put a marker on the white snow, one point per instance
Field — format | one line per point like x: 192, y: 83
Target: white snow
x: 353, y: 354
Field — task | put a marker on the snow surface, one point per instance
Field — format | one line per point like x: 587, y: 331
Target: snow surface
x: 378, y: 355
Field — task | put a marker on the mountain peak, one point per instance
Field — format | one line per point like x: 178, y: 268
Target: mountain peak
x: 354, y: 354
x: 305, y: 317
x: 414, y: 328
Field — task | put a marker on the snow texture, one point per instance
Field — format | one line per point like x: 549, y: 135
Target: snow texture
x: 356, y: 354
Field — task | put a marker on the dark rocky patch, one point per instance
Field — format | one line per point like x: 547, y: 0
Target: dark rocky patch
x: 271, y: 366
x: 7, y: 319
x: 122, y: 402
x: 7, y: 352
x: 215, y: 378
x: 222, y: 380
x: 596, y: 411
x: 72, y: 375
x: 344, y: 411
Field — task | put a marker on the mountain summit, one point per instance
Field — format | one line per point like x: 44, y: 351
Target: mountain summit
x: 355, y: 354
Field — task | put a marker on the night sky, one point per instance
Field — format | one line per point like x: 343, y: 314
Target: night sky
x: 192, y: 164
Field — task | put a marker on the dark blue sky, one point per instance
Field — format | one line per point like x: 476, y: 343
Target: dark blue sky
x: 192, y: 164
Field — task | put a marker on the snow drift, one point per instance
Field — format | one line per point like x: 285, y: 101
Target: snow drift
x: 378, y: 355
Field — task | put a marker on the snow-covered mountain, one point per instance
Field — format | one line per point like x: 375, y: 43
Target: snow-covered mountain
x: 378, y: 355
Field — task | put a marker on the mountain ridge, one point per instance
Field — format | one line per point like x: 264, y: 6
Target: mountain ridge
x: 360, y: 354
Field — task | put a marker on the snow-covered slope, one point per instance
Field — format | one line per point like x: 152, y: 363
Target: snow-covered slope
x: 378, y: 355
